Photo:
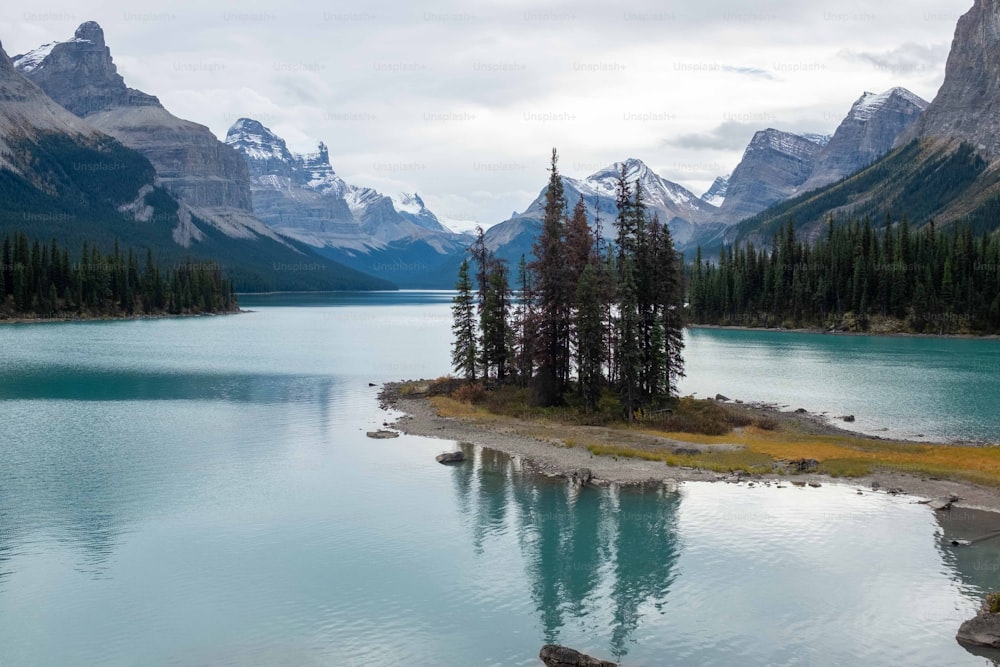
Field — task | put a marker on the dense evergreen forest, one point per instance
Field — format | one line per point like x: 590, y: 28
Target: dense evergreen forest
x: 42, y: 280
x: 589, y: 315
x: 855, y: 278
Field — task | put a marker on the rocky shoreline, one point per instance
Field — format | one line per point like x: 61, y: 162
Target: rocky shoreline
x: 553, y: 458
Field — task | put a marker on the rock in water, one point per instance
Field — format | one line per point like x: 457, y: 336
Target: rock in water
x: 382, y: 435
x: 940, y: 504
x: 581, y: 477
x: 983, y: 630
x: 450, y: 457
x: 560, y: 656
x: 849, y: 419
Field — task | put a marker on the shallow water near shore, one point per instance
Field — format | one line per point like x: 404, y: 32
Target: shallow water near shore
x: 202, y: 492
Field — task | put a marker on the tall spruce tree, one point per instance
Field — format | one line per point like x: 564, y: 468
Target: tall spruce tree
x: 465, y: 350
x: 551, y: 295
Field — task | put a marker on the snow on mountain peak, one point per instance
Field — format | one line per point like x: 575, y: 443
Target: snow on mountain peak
x: 408, y: 203
x: 716, y: 194
x: 32, y: 60
x: 871, y: 103
x: 257, y: 142
x: 819, y: 139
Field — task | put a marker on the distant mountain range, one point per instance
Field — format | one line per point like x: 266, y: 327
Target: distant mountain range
x: 775, y: 167
x: 302, y: 197
x: 82, y: 155
x: 172, y: 185
x: 943, y: 167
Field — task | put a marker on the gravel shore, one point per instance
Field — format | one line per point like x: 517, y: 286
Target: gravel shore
x: 551, y: 457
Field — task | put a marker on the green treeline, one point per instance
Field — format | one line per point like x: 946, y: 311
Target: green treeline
x: 41, y: 280
x: 853, y: 277
x: 589, y: 315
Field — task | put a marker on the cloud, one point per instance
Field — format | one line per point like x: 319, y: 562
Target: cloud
x: 748, y: 71
x: 909, y: 59
x: 730, y: 135
x: 451, y: 86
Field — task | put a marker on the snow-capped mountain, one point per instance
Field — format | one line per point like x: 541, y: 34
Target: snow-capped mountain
x: 209, y: 178
x: 774, y: 165
x: 867, y: 133
x: 716, y: 194
x: 779, y: 165
x: 302, y: 197
x: 120, y: 196
x: 674, y: 205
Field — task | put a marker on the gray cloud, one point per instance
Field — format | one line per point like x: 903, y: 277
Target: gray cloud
x: 907, y: 60
x: 450, y: 84
x: 731, y: 135
x: 748, y: 71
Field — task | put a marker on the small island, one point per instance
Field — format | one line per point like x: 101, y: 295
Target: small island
x: 577, y: 372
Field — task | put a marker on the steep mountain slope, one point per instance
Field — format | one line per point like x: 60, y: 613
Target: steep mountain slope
x: 62, y: 178
x: 774, y: 166
x: 207, y: 175
x: 302, y: 197
x: 716, y: 194
x: 946, y: 166
x: 867, y: 133
x: 967, y: 107
x: 674, y: 205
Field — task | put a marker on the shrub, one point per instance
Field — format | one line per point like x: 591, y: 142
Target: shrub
x: 469, y: 393
x: 766, y: 423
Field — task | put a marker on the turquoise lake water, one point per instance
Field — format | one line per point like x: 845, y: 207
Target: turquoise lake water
x: 201, y: 492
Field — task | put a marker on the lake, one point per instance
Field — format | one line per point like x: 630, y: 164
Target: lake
x: 201, y: 491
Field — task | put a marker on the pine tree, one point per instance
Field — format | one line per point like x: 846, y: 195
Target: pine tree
x: 589, y: 325
x: 464, y: 349
x: 553, y: 301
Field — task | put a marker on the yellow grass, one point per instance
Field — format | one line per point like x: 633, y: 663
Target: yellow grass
x: 839, y: 456
x: 845, y: 456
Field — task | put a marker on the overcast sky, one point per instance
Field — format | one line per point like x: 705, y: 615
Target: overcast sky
x: 462, y: 102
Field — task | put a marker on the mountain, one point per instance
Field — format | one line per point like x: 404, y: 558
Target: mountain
x: 302, y: 197
x: 869, y: 131
x: 716, y: 194
x: 774, y: 166
x: 967, y: 106
x: 191, y: 162
x: 62, y: 178
x: 680, y: 209
x: 945, y: 166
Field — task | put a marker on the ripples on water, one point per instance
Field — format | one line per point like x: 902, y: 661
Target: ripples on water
x: 202, y: 492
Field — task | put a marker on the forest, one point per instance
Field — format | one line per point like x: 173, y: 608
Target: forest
x: 589, y: 316
x: 43, y: 280
x: 939, y: 281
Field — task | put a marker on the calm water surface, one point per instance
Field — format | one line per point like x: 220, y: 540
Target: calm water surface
x: 201, y: 491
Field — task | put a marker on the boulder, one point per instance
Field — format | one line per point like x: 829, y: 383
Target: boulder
x: 450, y: 457
x: 982, y: 630
x: 382, y: 435
x: 560, y: 656
x: 720, y: 397
x: 849, y: 418
x: 581, y: 477
x: 801, y: 411
x: 803, y: 465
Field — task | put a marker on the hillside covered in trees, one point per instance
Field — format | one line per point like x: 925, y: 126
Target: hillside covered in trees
x: 857, y: 278
x: 44, y: 281
x: 589, y: 316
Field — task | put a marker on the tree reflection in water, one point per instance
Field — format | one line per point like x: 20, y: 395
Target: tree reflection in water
x: 600, y: 558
